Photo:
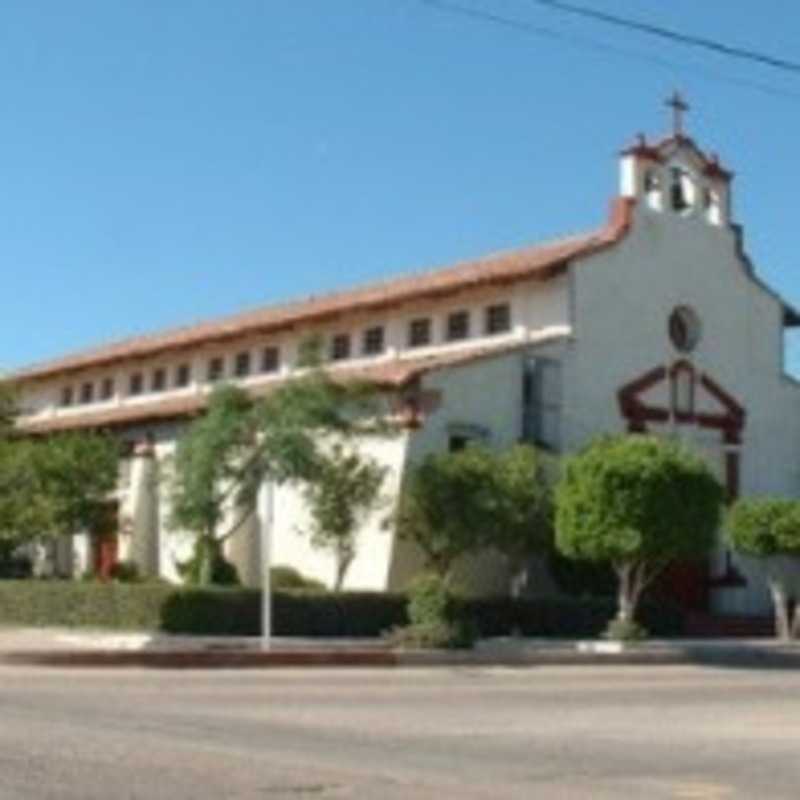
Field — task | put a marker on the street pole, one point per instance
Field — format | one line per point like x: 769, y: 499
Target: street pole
x: 266, y: 512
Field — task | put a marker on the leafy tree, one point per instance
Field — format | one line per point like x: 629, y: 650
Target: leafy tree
x: 8, y: 409
x: 344, y: 490
x: 637, y: 502
x: 55, y: 486
x: 458, y: 503
x: 444, y: 508
x: 522, y: 521
x: 210, y: 466
x: 768, y: 528
x: 223, y: 457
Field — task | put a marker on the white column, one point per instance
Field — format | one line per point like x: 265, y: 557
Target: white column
x: 265, y: 511
x: 143, y: 546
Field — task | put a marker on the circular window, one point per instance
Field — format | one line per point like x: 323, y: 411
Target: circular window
x: 684, y: 329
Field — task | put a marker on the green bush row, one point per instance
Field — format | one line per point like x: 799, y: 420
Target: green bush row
x: 227, y: 611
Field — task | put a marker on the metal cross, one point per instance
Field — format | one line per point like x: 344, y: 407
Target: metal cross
x: 679, y: 107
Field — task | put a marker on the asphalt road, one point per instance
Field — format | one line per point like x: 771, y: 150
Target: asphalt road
x: 570, y: 732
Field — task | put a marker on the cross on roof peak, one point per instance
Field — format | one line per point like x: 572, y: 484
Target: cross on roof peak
x: 679, y: 107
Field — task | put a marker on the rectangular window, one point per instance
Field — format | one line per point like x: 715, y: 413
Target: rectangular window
x: 461, y: 436
x: 183, y: 376
x: 541, y: 399
x: 242, y: 366
x: 373, y: 341
x: 270, y: 359
x: 498, y: 319
x: 340, y: 347
x: 457, y: 326
x: 107, y: 389
x: 419, y: 332
x: 136, y: 384
x: 67, y: 396
x: 87, y: 393
x: 216, y: 369
x: 158, y: 382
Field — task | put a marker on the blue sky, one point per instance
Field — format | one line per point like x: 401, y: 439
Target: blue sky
x: 163, y: 161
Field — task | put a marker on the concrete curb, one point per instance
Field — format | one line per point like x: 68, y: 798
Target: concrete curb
x: 200, y: 659
x: 721, y: 656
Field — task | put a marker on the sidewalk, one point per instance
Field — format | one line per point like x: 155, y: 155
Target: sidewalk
x: 87, y: 648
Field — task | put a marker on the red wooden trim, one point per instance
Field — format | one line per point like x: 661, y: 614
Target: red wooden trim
x: 727, y: 400
x: 732, y: 461
x: 626, y: 397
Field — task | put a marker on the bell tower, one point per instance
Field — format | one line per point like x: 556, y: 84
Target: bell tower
x: 674, y: 176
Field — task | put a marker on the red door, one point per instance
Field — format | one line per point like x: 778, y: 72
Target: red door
x: 105, y: 543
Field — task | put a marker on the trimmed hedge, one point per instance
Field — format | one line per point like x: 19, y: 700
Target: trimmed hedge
x: 237, y: 611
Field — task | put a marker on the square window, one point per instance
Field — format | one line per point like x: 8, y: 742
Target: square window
x: 136, y: 384
x: 270, y: 359
x: 107, y: 389
x: 242, y: 366
x: 158, y: 381
x: 183, y: 376
x: 373, y: 341
x: 498, y: 319
x: 67, y: 396
x: 419, y: 332
x: 457, y: 326
x: 216, y: 369
x: 87, y: 393
x: 340, y: 347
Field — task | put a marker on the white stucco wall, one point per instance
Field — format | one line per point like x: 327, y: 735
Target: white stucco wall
x: 623, y: 297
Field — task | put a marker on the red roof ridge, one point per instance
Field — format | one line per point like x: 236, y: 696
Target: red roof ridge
x: 540, y: 261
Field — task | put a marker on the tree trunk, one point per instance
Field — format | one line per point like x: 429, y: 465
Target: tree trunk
x: 206, y: 570
x: 780, y: 600
x: 343, y: 563
x: 519, y: 578
x: 631, y: 584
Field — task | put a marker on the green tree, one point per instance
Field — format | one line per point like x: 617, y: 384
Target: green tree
x: 768, y: 528
x: 225, y: 455
x: 637, y: 502
x: 55, y: 486
x: 345, y: 489
x: 444, y: 507
x: 459, y: 503
x: 8, y: 409
x: 521, y: 522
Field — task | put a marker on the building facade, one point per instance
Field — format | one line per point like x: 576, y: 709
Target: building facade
x: 656, y: 322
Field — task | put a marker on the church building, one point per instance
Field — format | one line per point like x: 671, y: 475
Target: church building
x: 655, y: 322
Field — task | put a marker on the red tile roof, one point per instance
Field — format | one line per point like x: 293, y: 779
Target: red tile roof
x: 538, y: 262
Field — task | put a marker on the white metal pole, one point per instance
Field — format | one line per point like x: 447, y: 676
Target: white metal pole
x: 266, y: 511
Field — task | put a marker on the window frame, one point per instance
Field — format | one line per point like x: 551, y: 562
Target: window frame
x: 338, y: 353
x: 491, y: 319
x: 243, y: 364
x: 270, y: 359
x: 454, y: 332
x: 215, y: 369
x: 423, y: 325
x: 373, y: 340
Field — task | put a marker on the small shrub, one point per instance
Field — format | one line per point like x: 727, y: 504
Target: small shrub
x: 430, y: 602
x: 286, y: 578
x: 223, y: 573
x: 125, y: 572
x: 435, y: 617
x: 622, y: 630
x: 16, y: 568
x: 459, y: 635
